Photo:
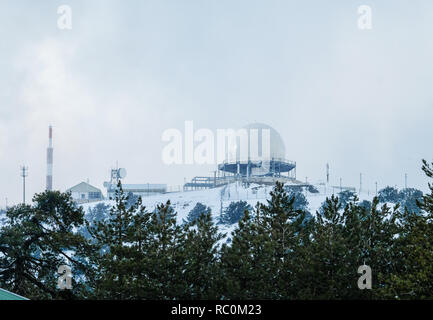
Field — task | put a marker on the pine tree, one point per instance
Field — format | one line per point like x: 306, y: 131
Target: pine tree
x: 36, y: 240
x: 245, y: 264
x: 234, y: 212
x: 412, y: 275
x: 427, y: 203
x: 196, y: 212
x: 166, y: 255
x: 284, y: 226
x: 114, y: 252
x: 327, y: 267
x: 354, y: 256
x: 260, y: 263
x: 202, y: 271
x: 379, y: 230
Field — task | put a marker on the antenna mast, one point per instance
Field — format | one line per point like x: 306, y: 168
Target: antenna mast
x: 24, y: 174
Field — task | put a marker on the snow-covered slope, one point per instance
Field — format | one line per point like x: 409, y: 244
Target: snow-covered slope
x: 219, y: 198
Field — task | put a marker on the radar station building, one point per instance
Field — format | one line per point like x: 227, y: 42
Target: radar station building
x: 142, y: 190
x: 264, y: 155
x: 256, y: 154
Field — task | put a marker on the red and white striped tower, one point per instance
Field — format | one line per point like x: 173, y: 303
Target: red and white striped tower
x: 50, y: 160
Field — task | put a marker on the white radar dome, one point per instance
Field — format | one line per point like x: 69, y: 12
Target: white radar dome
x: 256, y: 141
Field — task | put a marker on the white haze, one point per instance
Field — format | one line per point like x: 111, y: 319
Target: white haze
x: 128, y: 70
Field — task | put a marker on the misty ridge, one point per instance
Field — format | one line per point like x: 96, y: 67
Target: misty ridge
x: 278, y: 249
x: 216, y: 151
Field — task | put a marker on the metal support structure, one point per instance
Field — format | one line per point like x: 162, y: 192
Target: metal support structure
x: 49, y: 182
x: 24, y: 174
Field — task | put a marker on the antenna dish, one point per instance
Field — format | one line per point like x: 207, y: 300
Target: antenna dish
x: 121, y: 173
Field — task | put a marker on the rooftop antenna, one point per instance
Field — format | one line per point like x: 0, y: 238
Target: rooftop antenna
x: 24, y: 174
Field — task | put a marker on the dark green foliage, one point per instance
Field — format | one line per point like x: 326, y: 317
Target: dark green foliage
x: 412, y: 277
x: 2, y: 216
x: 131, y: 199
x: 327, y: 267
x: 312, y: 189
x: 98, y: 213
x: 195, y: 214
x: 234, y: 212
x: 389, y: 194
x: 165, y: 255
x: 300, y: 202
x: 245, y: 264
x: 94, y: 215
x: 139, y: 254
x: 114, y: 250
x: 278, y: 251
x: 409, y: 198
x: 202, y: 272
x: 36, y: 240
x: 345, y: 197
x: 365, y: 204
x: 427, y: 201
x: 259, y: 264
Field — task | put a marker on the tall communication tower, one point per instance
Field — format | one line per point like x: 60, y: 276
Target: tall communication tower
x: 49, y: 185
x: 24, y: 174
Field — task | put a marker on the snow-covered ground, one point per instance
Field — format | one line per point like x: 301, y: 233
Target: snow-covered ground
x: 220, y: 198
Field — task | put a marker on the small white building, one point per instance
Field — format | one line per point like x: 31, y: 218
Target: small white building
x: 142, y: 190
x: 84, y: 192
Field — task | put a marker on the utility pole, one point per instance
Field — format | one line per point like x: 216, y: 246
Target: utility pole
x: 24, y: 174
x: 376, y: 187
x: 341, y: 186
x: 405, y: 180
x: 327, y: 173
x: 360, y: 183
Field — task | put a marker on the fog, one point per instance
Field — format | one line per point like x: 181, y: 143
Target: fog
x: 360, y: 100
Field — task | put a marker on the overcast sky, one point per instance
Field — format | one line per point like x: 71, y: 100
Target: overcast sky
x: 361, y: 100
